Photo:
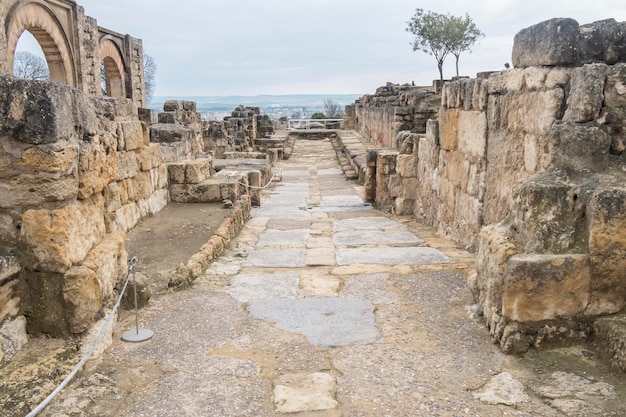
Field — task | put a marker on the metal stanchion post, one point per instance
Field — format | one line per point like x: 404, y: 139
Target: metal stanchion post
x: 137, y: 335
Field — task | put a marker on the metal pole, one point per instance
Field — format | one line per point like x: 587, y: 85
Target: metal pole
x: 139, y: 335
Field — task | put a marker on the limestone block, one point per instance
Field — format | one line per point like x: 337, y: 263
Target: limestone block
x: 386, y: 162
x: 40, y: 113
x: 149, y: 157
x: 112, y: 197
x: 13, y: 337
x: 557, y: 77
x: 142, y: 185
x: 495, y: 247
x: 406, y: 166
x: 173, y: 105
x: 134, y: 135
x: 534, y: 112
x: 127, y: 217
x: 105, y: 260
x: 54, y: 240
x: 395, y: 186
x: 169, y: 133
x: 176, y: 172
x: 580, y: 147
x: 603, y: 41
x: 9, y: 298
x: 476, y: 180
x: 127, y: 165
x: 586, y: 93
x: 549, y: 214
x: 127, y: 194
x: 432, y: 131
x: 472, y: 133
x: 42, y: 302
x: 198, y: 170
x: 470, y: 88
x: 535, y: 77
x: 479, y: 95
x: 449, y: 128
x: 456, y: 169
x: 468, y: 212
x: 607, y: 247
x: 115, y: 108
x: 36, y: 190
x: 153, y: 204
x: 97, y: 166
x: 161, y: 175
x: 81, y: 292
x: 615, y: 87
x: 211, y: 190
x: 544, y: 287
x: 50, y: 158
x: 554, y: 42
x: 505, y: 82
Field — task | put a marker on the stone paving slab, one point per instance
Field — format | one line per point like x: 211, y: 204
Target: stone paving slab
x: 361, y: 238
x: 324, y: 321
x: 391, y: 256
x: 278, y: 258
x: 367, y: 223
x: 246, y: 287
x: 293, y: 238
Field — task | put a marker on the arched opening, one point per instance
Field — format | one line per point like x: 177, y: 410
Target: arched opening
x: 112, y: 74
x: 44, y: 27
x: 29, y: 60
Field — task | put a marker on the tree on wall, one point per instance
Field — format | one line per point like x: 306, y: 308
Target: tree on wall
x: 30, y: 66
x: 430, y: 35
x: 149, y: 73
x: 438, y: 35
x: 463, y: 34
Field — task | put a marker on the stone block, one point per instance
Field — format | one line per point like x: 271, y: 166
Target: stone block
x: 432, y: 131
x: 197, y: 170
x: 174, y: 105
x: 82, y: 294
x: 610, y: 337
x: 149, y: 157
x: 607, y: 248
x: 206, y: 192
x: 472, y: 133
x: 54, y: 240
x: 406, y: 166
x: 108, y: 261
x: 98, y: 165
x: 115, y: 108
x: 50, y: 158
x: 39, y: 113
x: 506, y: 82
x: 127, y: 165
x: 134, y: 135
x: 36, y: 190
x: 456, y: 169
x: 554, y: 42
x: 127, y: 217
x: 476, y: 180
x: 603, y: 41
x: 535, y: 78
x: 549, y: 214
x: 386, y: 162
x: 495, y: 247
x: 112, y: 197
x: 545, y: 287
x: 586, y: 93
x: 13, y: 337
x: 176, y: 172
x: 153, y: 204
x: 449, y: 128
x: 534, y: 112
x: 168, y: 133
x: 142, y: 185
x: 580, y: 147
x: 42, y: 302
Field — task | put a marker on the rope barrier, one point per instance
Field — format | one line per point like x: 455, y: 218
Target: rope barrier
x: 87, y: 354
x: 252, y: 187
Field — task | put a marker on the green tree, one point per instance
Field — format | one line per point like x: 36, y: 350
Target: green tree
x: 439, y: 35
x: 430, y: 31
x: 318, y: 115
x: 463, y: 34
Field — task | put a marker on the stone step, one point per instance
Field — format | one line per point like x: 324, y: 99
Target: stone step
x: 610, y: 340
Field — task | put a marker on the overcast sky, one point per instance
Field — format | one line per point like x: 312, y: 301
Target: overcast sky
x: 251, y: 47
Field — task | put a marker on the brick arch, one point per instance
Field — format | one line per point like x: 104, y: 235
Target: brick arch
x: 45, y: 27
x: 114, y: 67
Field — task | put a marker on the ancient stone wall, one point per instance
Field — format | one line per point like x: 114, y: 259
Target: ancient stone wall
x: 391, y: 110
x: 76, y: 173
x: 528, y: 168
x: 74, y: 46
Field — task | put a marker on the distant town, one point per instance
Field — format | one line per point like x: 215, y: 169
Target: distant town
x: 275, y: 106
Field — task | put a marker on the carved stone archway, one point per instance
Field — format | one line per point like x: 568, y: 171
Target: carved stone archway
x: 42, y: 23
x: 114, y: 68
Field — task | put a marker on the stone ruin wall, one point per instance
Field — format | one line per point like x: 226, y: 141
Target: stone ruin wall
x: 74, y: 46
x: 527, y: 167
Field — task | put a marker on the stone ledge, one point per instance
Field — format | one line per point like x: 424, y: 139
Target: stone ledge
x: 185, y: 274
x: 610, y: 338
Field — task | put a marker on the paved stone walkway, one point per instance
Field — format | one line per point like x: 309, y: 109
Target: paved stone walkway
x: 322, y: 306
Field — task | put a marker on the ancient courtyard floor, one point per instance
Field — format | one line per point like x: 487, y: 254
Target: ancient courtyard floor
x: 324, y: 306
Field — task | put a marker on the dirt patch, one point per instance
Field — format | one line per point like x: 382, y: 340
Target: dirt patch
x: 171, y: 237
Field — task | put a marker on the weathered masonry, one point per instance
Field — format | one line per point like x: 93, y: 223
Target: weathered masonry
x: 526, y: 167
x: 74, y: 46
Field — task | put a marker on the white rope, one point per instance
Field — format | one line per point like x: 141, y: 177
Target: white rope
x: 87, y: 354
x: 253, y: 187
